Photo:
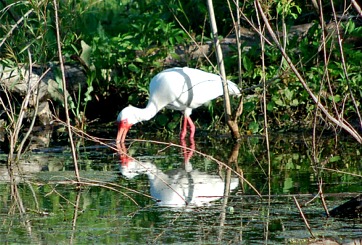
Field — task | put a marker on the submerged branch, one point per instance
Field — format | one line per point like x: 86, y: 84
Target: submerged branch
x: 303, y: 216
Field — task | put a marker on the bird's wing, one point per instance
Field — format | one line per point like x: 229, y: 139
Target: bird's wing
x: 206, y: 86
x: 182, y: 88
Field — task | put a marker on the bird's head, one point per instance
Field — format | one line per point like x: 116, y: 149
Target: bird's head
x: 126, y: 118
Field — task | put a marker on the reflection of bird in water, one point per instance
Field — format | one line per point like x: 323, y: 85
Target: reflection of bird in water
x: 178, y: 187
x: 177, y: 88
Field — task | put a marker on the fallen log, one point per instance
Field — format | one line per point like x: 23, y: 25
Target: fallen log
x: 20, y: 81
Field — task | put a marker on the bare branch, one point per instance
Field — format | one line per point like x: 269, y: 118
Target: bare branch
x: 341, y: 123
x: 74, y: 155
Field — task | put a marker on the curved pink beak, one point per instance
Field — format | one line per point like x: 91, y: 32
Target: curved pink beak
x: 123, y: 127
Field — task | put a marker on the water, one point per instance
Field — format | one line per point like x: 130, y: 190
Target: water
x: 164, y: 195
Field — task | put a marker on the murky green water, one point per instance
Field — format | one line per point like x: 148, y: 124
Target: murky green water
x: 160, y: 196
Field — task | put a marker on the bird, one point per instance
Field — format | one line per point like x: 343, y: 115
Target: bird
x: 178, y: 88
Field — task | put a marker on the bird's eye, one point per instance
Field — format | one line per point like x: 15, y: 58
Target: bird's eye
x: 124, y: 122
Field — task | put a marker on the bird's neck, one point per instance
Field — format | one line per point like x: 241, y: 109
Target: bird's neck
x: 145, y: 114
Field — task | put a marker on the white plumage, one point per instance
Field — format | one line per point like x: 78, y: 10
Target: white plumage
x: 176, y: 88
x: 179, y: 187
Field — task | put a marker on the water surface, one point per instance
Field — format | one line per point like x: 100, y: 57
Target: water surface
x: 164, y: 194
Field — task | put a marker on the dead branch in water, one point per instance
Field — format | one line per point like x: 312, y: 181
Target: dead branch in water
x: 303, y: 216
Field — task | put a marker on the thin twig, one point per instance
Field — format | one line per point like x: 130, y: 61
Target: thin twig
x: 266, y: 132
x: 75, y: 217
x: 236, y: 23
x: 233, y: 126
x: 37, y: 85
x: 15, y: 26
x: 204, y: 155
x: 357, y: 7
x: 111, y: 146
x: 191, y: 37
x: 340, y: 172
x: 74, y: 155
x: 303, y: 217
x: 341, y: 123
x: 321, y: 195
x: 88, y: 182
x: 124, y: 152
x: 9, y: 111
x: 325, y: 54
x: 344, y: 63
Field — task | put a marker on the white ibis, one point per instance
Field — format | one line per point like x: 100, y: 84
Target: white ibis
x: 176, y: 88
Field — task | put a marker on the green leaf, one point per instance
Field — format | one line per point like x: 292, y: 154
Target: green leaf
x: 254, y: 127
x: 248, y: 65
x: 335, y: 98
x: 279, y: 7
x: 172, y: 125
x: 288, y: 94
x: 279, y: 102
x: 270, y: 106
x: 126, y: 37
x: 87, y: 95
x: 134, y: 68
x: 162, y: 120
x: 86, y: 53
x: 335, y: 159
x: 139, y: 60
x: 350, y: 27
x: 294, y: 102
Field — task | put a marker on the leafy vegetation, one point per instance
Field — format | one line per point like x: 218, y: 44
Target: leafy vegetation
x: 122, y: 44
x: 306, y: 77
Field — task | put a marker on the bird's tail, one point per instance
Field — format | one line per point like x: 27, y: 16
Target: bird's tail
x: 233, y: 88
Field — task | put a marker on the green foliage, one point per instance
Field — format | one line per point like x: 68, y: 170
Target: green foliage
x: 132, y: 52
x: 289, y: 105
x: 288, y: 8
x: 124, y: 43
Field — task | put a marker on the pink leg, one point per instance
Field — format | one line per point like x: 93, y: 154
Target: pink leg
x: 188, y: 152
x: 187, y: 122
x: 184, y: 129
x: 192, y: 127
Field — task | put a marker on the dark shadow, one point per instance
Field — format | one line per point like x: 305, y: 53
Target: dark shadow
x: 349, y: 209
